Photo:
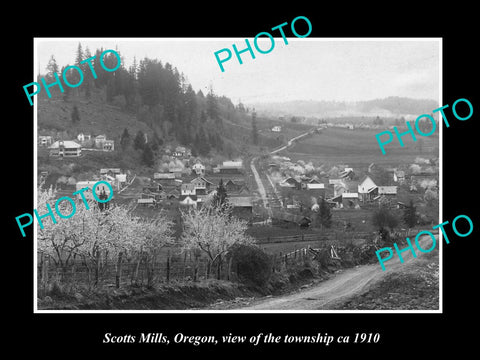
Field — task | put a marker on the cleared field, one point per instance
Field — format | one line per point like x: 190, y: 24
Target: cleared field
x: 360, y: 147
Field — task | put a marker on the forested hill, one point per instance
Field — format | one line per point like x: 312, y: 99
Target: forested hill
x: 150, y: 96
x: 393, y: 106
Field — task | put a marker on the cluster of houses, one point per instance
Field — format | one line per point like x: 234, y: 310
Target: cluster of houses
x: 73, y: 148
x: 114, y: 176
x: 190, y: 187
x: 345, y: 191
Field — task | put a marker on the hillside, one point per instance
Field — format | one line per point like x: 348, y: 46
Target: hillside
x: 392, y: 106
x: 96, y: 117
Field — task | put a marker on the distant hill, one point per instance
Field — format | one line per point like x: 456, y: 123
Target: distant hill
x: 392, y: 106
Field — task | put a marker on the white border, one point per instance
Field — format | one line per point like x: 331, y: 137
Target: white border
x: 439, y: 311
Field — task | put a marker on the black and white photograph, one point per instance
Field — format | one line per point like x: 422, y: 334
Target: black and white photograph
x: 210, y: 180
x: 182, y: 178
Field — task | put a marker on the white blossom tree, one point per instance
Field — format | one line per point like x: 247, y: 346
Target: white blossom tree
x: 212, y: 232
x: 95, y: 235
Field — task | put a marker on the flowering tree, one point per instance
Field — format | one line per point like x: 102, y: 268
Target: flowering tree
x: 213, y: 232
x: 94, y: 235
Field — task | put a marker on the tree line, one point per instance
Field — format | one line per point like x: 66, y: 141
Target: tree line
x: 157, y: 93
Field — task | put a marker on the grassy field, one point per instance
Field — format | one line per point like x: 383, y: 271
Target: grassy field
x: 359, y: 147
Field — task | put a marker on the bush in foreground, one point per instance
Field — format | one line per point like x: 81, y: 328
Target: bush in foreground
x: 251, y: 264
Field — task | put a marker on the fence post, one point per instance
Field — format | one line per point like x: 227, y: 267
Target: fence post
x: 229, y: 268
x: 118, y: 274
x: 168, y: 266
x: 184, y: 267
x: 219, y: 266
x: 97, y: 267
x: 195, y: 267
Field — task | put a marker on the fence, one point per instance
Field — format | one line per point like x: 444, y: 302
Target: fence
x: 324, y: 236
x: 140, y: 270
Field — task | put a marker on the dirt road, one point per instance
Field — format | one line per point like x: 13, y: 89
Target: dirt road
x: 345, y: 284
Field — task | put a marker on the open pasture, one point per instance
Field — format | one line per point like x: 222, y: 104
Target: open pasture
x: 359, y: 147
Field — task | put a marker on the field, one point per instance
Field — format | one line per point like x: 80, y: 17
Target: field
x: 359, y: 147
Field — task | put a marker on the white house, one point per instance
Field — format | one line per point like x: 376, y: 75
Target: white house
x: 313, y: 186
x: 99, y: 140
x: 45, y: 140
x: 366, y: 188
x: 83, y: 137
x: 65, y: 148
x: 188, y: 189
x: 108, y: 145
x: 88, y: 193
x: 199, y: 168
x: 188, y: 200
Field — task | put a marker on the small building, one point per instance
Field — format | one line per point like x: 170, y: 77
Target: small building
x: 99, y: 189
x: 315, y: 186
x: 231, y: 167
x: 399, y: 176
x: 366, y: 188
x: 110, y: 171
x: 198, y: 168
x: 164, y: 176
x: 387, y: 190
x: 45, y: 140
x: 233, y: 187
x: 174, y: 194
x: 188, y: 200
x: 349, y: 200
x: 290, y: 183
x: 99, y: 140
x: 242, y: 206
x: 188, y: 189
x: 201, y: 183
x: 108, y: 145
x: 83, y: 137
x: 65, y: 148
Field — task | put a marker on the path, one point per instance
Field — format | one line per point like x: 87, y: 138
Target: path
x: 258, y: 180
x: 345, y: 284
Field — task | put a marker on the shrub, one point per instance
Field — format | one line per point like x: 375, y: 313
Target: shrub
x: 251, y: 264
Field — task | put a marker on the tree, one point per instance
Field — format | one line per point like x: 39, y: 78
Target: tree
x: 212, y: 105
x: 75, y: 114
x: 385, y: 221
x: 125, y: 139
x: 324, y: 215
x: 212, y: 232
x: 92, y: 234
x: 148, y: 157
x: 410, y: 214
x: 254, y: 128
x: 52, y: 67
x: 220, y: 200
x: 139, y: 141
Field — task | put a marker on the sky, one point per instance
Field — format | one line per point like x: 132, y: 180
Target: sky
x: 304, y: 69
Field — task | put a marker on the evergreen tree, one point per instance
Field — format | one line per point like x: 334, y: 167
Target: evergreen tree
x: 212, y: 105
x: 139, y: 141
x: 125, y: 139
x: 254, y: 128
x: 410, y: 214
x: 88, y: 79
x: 75, y: 115
x: 52, y: 67
x: 324, y: 215
x: 79, y: 56
x: 148, y: 158
x: 220, y: 198
x: 201, y: 142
